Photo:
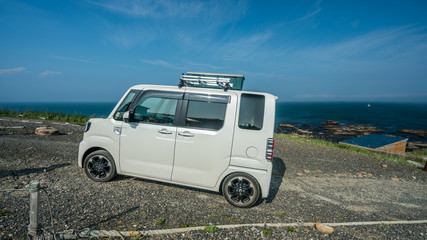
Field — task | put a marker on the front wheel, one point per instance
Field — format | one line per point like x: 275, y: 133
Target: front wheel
x: 99, y: 166
x: 241, y: 190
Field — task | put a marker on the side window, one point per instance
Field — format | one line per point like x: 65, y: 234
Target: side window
x: 156, y: 109
x: 251, y: 114
x: 206, y: 114
x: 125, y: 105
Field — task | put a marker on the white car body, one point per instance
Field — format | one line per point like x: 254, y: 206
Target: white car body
x: 179, y: 152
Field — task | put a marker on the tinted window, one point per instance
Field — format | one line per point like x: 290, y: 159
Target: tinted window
x: 154, y: 109
x: 209, y: 115
x: 251, y: 115
x: 125, y: 105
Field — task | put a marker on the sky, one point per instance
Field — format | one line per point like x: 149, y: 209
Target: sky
x: 93, y: 51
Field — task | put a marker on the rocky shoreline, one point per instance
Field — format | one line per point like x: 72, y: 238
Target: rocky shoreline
x: 336, y: 131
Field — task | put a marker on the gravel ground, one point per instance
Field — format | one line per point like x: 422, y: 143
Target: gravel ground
x: 310, y: 184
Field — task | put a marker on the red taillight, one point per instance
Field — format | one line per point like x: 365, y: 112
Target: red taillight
x: 270, y: 148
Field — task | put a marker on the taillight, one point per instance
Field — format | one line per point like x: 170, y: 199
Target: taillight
x: 270, y: 147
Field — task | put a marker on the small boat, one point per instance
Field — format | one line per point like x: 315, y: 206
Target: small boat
x: 369, y: 105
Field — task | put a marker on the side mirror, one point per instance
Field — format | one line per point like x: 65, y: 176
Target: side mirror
x: 126, y: 116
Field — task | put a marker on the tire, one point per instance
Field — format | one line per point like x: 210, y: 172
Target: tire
x: 99, y: 166
x: 241, y: 190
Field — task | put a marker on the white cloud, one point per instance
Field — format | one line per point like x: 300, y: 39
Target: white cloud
x: 11, y: 71
x: 48, y: 73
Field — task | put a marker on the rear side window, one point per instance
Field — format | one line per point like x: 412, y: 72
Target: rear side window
x: 206, y: 111
x: 125, y: 105
x: 251, y: 115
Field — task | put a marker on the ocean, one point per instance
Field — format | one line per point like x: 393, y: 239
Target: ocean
x: 388, y: 117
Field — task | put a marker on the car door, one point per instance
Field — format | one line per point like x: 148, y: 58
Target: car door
x: 147, y: 141
x: 204, y: 138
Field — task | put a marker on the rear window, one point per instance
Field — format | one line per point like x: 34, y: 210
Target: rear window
x: 251, y: 114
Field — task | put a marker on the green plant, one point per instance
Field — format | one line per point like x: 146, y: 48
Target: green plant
x: 138, y: 236
x: 185, y: 225
x: 4, y: 212
x: 211, y: 228
x: 230, y: 219
x: 290, y: 229
x: 161, y: 222
x: 266, y: 231
x: 280, y: 214
x: 377, y: 155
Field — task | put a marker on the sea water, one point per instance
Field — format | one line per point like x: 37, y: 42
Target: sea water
x: 388, y: 117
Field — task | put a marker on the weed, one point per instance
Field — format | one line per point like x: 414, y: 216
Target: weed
x: 211, y: 228
x: 161, y: 222
x: 138, y: 236
x: 4, y: 212
x: 280, y: 214
x: 231, y: 219
x: 290, y: 229
x: 103, y: 224
x: 377, y: 155
x: 266, y: 231
x: 143, y: 213
x: 23, y: 236
x: 185, y: 225
x: 213, y: 214
x: 73, y: 119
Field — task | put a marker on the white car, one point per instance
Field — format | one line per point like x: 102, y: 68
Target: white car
x: 201, y: 134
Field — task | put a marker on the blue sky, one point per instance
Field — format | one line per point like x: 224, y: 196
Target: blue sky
x: 89, y: 50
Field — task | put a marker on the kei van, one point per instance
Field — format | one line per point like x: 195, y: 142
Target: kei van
x: 204, y: 133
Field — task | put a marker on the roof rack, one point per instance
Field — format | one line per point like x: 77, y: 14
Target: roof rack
x: 212, y: 80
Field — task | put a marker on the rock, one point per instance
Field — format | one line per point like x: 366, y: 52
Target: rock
x: 324, y: 229
x: 300, y: 131
x: 286, y: 125
x: 300, y: 174
x: 420, y: 145
x: 46, y: 131
x: 419, y: 133
x: 415, y: 163
x: 306, y: 171
x: 330, y: 122
x: 395, y: 178
x: 384, y: 165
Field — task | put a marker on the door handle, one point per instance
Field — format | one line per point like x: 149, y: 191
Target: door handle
x: 164, y: 131
x: 186, y: 134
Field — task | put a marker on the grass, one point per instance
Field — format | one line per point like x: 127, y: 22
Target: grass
x: 290, y: 229
x: 161, y: 222
x: 266, y: 231
x: 377, y: 155
x: 211, y: 228
x: 73, y: 119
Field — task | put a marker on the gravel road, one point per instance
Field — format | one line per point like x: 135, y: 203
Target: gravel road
x: 310, y: 184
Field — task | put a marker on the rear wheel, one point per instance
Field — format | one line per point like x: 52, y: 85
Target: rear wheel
x: 241, y: 190
x: 99, y: 166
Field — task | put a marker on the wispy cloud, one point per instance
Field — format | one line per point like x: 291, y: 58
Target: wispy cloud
x: 377, y: 46
x: 153, y: 8
x: 48, y: 73
x: 315, y: 9
x: 70, y: 59
x: 11, y: 71
x: 184, y: 65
